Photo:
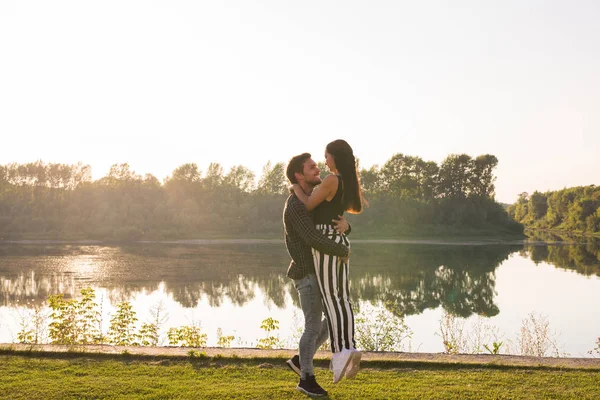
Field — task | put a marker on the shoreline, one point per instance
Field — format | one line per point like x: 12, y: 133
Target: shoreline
x: 441, y: 242
x: 377, y: 359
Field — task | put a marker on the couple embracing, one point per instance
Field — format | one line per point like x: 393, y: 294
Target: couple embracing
x: 315, y: 237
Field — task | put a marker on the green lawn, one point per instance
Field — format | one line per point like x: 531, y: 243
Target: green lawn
x: 92, y: 376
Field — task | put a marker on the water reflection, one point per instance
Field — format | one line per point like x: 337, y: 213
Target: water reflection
x: 407, y: 278
x: 30, y: 273
x: 580, y: 254
x: 26, y: 287
x: 410, y: 279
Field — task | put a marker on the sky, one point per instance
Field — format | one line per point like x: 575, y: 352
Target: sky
x: 158, y: 84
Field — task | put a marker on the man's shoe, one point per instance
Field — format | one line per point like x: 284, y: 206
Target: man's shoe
x: 310, y: 387
x: 294, y: 364
x: 340, y: 362
x: 354, y: 364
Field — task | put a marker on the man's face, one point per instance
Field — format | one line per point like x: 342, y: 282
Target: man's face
x: 311, y: 173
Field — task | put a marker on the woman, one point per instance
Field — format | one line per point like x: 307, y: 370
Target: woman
x: 339, y: 192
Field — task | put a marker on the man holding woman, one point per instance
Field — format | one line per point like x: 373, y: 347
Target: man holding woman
x: 321, y: 278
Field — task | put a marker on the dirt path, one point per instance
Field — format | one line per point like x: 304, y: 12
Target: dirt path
x: 479, y: 359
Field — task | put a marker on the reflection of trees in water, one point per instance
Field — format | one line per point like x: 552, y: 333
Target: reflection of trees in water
x: 29, y: 288
x: 238, y: 290
x: 189, y: 272
x: 413, y: 278
x: 580, y: 254
x: 408, y: 278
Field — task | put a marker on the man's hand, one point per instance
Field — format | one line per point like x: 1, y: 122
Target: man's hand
x: 347, y: 258
x: 340, y: 224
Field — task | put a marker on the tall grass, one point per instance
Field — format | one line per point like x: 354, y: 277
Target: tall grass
x: 383, y: 328
x: 535, y: 337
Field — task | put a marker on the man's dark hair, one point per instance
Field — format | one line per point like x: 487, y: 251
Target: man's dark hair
x: 296, y: 164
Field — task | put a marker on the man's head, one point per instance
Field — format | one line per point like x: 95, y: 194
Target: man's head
x: 302, y: 169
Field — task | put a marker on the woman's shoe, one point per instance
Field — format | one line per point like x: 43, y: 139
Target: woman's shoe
x: 340, y: 362
x: 354, y: 365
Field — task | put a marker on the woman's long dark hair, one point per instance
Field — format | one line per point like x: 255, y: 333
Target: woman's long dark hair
x: 345, y: 163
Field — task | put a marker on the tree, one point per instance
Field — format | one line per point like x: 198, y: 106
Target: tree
x: 120, y: 174
x: 455, y: 176
x: 214, y: 176
x: 273, y: 179
x: 482, y: 178
x: 538, y: 205
x: 241, y: 178
x: 188, y: 172
x: 408, y: 177
x: 370, y: 180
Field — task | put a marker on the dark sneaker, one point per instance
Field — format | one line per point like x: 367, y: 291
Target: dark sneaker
x: 294, y: 364
x: 310, y: 387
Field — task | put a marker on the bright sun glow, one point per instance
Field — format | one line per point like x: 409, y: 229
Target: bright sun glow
x: 158, y: 84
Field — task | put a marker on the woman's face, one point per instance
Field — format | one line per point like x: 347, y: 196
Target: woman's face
x: 330, y: 162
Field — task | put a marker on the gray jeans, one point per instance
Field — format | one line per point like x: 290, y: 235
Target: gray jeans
x: 315, y: 329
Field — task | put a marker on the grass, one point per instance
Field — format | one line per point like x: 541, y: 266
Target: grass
x: 101, y: 376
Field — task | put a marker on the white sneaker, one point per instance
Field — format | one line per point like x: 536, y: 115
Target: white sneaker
x: 340, y: 362
x: 354, y: 365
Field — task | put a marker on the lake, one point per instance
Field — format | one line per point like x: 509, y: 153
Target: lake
x: 483, y: 291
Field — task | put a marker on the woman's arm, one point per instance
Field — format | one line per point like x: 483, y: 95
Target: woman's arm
x: 325, y: 190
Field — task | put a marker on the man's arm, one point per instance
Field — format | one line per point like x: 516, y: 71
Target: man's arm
x: 306, y: 229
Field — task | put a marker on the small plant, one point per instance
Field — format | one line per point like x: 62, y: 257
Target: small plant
x: 32, y: 326
x: 481, y: 334
x: 187, y: 336
x: 223, y: 341
x: 380, y: 329
x: 74, y: 322
x: 535, y: 338
x: 100, y: 338
x: 63, y: 328
x: 150, y: 331
x: 196, y: 354
x: 452, y: 333
x: 122, y: 326
x: 148, y: 334
x: 270, y: 341
x: 495, y: 349
x: 88, y: 318
x: 597, y: 348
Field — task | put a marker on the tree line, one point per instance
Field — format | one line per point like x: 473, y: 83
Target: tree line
x: 575, y: 209
x: 406, y: 196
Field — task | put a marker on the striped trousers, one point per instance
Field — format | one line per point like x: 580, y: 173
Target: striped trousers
x: 333, y: 279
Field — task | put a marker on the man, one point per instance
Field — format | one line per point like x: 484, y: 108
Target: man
x: 300, y: 237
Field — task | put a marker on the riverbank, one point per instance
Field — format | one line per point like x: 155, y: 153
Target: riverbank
x: 57, y: 372
x: 456, y: 241
x: 389, y: 359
